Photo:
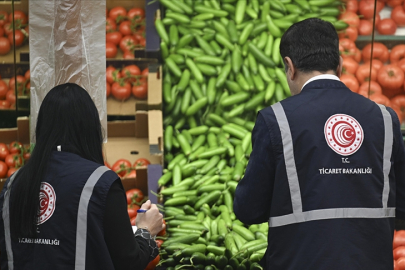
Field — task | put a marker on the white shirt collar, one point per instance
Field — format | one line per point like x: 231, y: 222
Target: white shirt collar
x: 322, y: 77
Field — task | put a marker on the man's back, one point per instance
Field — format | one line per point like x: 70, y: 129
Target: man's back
x: 338, y: 148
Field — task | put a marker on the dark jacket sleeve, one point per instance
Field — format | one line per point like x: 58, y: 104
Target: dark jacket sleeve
x: 253, y: 194
x: 399, y: 167
x: 126, y: 250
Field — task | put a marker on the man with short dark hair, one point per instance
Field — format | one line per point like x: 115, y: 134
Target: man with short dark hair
x: 327, y: 167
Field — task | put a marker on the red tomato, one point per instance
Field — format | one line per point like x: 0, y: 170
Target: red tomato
x: 110, y: 25
x: 19, y: 38
x: 13, y: 160
x: 27, y: 75
x: 133, y: 206
x: 20, y: 83
x: 2, y: 32
x: 108, y: 90
x: 15, y: 147
x: 133, y: 221
x: 394, y: 3
x: 130, y: 73
x: 363, y: 74
x: 3, y: 17
x: 351, y: 18
x: 152, y: 264
x: 398, y: 15
x: 128, y: 55
x: 399, y: 237
x: 350, y: 81
x: 121, y: 167
x: 377, y: 64
x: 347, y: 48
x: 395, y: 265
x: 140, y: 91
x: 142, y: 42
x: 159, y: 242
x: 27, y: 156
x: 399, y: 102
x: 118, y: 14
x: 136, y: 14
x: 127, y: 43
x: 350, y: 33
x: 145, y: 72
x: 381, y: 99
x: 126, y: 28
x: 5, y: 46
x: 19, y: 17
x: 8, y: 29
x: 352, y: 5
x: 138, y: 37
x: 3, y: 151
x: 3, y: 169
x: 132, y: 213
x: 380, y: 51
x: 397, y: 53
x: 391, y: 77
x: 401, y: 64
x: 357, y: 55
x: 121, y: 91
x: 387, y: 27
x: 110, y: 50
x: 134, y: 196
x: 349, y: 65
x: 163, y: 231
x: 3, y: 89
x: 401, y: 263
x: 131, y: 174
x: 10, y: 96
x: 112, y: 75
x: 399, y: 252
x: 141, y: 162
x: 11, y: 171
x: 377, y: 19
x: 4, y: 104
x: 113, y: 37
x: 365, y: 28
x: 366, y: 8
x: 370, y: 88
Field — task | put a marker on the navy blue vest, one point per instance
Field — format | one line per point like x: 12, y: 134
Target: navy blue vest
x: 71, y: 234
x: 334, y: 196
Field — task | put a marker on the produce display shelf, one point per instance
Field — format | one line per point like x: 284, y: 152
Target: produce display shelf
x: 389, y: 41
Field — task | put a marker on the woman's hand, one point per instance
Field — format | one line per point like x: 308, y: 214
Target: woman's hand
x: 152, y: 219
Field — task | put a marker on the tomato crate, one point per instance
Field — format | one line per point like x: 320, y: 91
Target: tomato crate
x: 21, y: 133
x: 136, y: 139
x: 129, y: 106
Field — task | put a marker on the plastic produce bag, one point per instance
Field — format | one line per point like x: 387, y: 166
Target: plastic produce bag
x: 67, y: 44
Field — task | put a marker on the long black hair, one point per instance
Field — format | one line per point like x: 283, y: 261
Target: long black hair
x: 67, y: 117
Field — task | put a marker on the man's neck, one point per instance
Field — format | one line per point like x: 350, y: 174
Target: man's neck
x: 304, y: 77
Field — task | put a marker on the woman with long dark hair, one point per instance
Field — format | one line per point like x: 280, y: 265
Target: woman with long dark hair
x: 64, y: 209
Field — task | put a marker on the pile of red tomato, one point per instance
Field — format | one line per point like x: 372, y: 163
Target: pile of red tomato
x: 130, y: 80
x: 399, y: 250
x: 7, y: 90
x: 124, y: 30
x: 385, y: 83
x: 125, y: 169
x: 12, y: 157
x: 365, y: 9
x: 6, y: 30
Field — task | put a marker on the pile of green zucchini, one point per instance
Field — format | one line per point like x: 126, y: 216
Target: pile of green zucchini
x: 221, y: 66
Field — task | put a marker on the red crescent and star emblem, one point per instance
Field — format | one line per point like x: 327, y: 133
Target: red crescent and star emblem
x: 47, y: 199
x: 343, y: 134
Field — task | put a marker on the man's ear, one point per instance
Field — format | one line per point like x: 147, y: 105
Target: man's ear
x: 340, y: 67
x: 291, y: 71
